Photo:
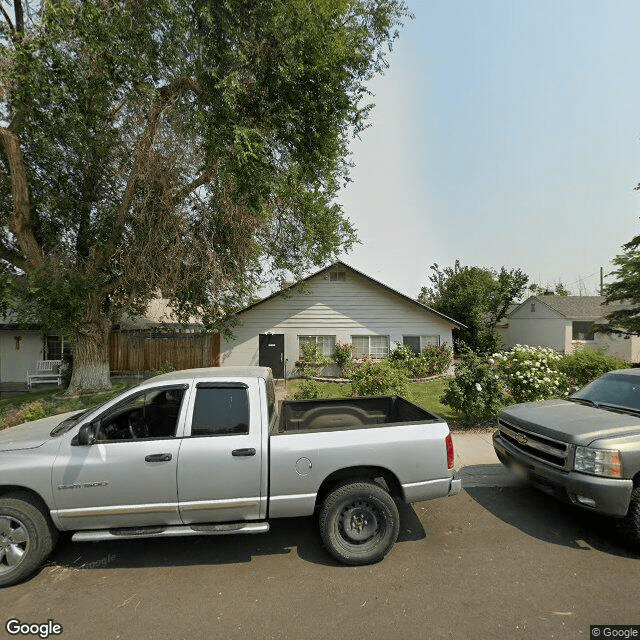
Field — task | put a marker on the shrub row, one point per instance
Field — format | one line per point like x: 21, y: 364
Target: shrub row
x: 388, y: 376
x: 524, y: 374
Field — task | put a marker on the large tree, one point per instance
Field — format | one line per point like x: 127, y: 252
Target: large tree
x: 477, y: 297
x: 623, y: 295
x: 177, y: 146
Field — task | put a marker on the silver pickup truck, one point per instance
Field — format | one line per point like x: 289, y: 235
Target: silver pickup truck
x: 209, y: 452
x: 584, y: 449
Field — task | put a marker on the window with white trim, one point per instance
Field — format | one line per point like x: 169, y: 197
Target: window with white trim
x: 370, y: 346
x: 55, y: 347
x: 418, y: 343
x: 430, y: 341
x: 582, y: 330
x: 326, y: 344
x: 413, y: 342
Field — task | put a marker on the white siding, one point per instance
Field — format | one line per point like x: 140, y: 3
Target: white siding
x: 546, y: 327
x: 14, y: 363
x: 543, y: 327
x: 342, y: 309
x: 613, y: 345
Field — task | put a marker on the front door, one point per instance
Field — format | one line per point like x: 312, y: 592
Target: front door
x: 271, y: 353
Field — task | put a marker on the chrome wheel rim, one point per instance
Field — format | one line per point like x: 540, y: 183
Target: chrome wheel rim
x: 14, y: 543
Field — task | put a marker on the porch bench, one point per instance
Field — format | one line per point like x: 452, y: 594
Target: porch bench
x: 46, y: 371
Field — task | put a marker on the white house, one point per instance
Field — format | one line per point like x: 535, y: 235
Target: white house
x: 336, y: 304
x: 564, y: 323
x: 21, y: 347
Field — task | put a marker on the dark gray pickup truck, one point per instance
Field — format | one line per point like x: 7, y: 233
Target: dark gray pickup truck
x: 584, y: 449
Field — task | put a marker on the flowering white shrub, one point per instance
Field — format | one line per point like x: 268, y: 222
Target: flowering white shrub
x: 531, y: 373
x: 476, y: 392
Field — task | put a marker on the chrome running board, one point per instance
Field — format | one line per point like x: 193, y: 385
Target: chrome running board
x: 169, y: 531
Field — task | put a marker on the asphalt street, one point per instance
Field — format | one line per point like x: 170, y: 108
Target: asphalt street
x: 499, y: 560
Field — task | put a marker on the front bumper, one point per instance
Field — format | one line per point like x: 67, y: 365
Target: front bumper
x: 609, y: 496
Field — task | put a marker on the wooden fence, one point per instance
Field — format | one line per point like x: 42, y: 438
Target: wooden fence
x: 134, y: 351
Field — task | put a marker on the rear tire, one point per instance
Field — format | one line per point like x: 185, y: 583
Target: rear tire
x: 629, y: 526
x: 359, y: 522
x: 27, y: 537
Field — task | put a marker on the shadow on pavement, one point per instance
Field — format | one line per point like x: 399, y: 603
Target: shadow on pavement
x: 543, y: 517
x: 486, y: 475
x: 287, y: 535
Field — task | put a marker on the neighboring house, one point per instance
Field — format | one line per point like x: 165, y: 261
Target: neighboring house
x: 336, y: 304
x: 22, y: 346
x: 138, y: 343
x: 564, y: 322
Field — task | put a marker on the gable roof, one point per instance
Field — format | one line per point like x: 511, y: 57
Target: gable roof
x: 343, y: 265
x: 587, y: 308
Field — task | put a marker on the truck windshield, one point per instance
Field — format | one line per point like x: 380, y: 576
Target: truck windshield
x: 615, y: 390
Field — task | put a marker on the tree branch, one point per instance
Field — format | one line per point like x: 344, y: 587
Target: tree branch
x: 8, y: 19
x: 21, y: 221
x: 188, y: 188
x: 165, y: 96
x: 17, y: 6
x: 13, y: 257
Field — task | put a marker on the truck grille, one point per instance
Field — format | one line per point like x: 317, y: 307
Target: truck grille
x: 546, y: 449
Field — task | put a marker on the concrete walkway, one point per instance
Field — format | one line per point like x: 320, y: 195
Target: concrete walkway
x: 476, y: 461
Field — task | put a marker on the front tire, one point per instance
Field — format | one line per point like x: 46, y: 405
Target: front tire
x: 26, y: 538
x: 359, y: 522
x: 629, y: 526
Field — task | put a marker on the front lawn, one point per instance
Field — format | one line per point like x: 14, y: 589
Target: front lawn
x: 48, y: 402
x: 424, y: 394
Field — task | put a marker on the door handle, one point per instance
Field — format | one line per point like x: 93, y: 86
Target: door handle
x: 243, y: 452
x: 158, y: 457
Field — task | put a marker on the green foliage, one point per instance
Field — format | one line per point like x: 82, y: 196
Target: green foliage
x: 475, y: 296
x: 430, y: 362
x: 25, y: 413
x: 313, y: 360
x: 371, y: 378
x: 165, y: 367
x: 476, y: 392
x: 343, y: 357
x: 531, y: 373
x: 213, y: 133
x: 23, y: 408
x: 623, y: 295
x: 584, y: 365
x: 308, y: 389
x: 558, y: 290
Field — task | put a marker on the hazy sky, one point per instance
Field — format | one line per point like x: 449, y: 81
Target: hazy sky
x: 504, y: 133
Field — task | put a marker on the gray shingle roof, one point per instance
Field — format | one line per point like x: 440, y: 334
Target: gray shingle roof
x: 579, y: 307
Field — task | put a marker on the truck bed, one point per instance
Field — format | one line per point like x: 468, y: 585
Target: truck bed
x: 349, y: 413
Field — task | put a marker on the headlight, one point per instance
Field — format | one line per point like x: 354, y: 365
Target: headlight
x: 600, y: 462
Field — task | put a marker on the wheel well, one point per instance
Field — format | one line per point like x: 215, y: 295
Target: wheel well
x: 381, y: 476
x: 636, y: 480
x: 28, y: 494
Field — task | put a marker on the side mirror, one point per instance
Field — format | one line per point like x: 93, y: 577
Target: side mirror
x: 87, y: 434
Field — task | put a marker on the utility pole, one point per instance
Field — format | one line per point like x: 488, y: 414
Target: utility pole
x: 601, y: 281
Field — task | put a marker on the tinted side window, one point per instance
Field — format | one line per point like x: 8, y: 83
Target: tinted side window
x: 151, y: 414
x: 220, y: 411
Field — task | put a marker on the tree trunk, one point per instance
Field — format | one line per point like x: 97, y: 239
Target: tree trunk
x: 90, y: 357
